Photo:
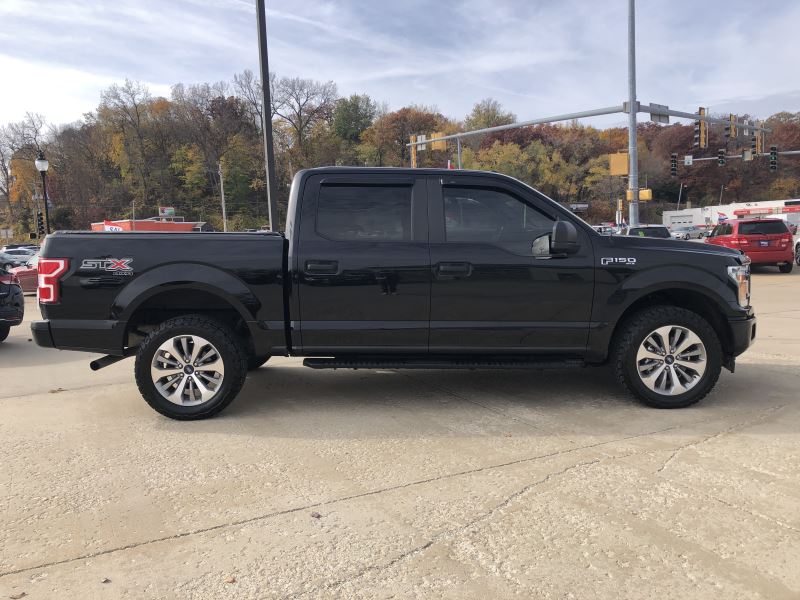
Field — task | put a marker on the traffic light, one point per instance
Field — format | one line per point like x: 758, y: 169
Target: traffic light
x: 40, y: 224
x: 673, y: 164
x: 701, y: 130
x: 773, y: 158
x: 721, y: 157
x: 754, y: 142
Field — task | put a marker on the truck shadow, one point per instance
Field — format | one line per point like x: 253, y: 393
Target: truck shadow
x: 292, y: 402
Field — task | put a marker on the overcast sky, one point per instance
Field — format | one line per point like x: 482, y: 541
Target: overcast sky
x: 537, y: 57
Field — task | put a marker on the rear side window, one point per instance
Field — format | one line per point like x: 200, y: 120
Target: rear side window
x: 762, y: 228
x: 368, y: 213
x: 656, y: 232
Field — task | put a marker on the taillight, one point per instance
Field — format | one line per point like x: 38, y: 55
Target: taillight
x: 736, y: 241
x: 50, y: 271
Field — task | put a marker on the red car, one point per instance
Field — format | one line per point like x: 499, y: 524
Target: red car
x: 765, y: 241
x: 28, y: 274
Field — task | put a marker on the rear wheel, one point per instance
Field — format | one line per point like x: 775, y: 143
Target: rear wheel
x: 8, y: 266
x: 190, y: 367
x: 786, y: 267
x: 4, y: 330
x: 667, y: 357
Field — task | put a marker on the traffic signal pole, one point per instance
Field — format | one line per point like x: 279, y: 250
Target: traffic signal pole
x: 633, y: 158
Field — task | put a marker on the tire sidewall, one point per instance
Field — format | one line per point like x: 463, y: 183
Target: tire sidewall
x: 681, y: 318
x: 233, y: 360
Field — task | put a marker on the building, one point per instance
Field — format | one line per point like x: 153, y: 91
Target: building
x: 175, y: 224
x: 709, y: 216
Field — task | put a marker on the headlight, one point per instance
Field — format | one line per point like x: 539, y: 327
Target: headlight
x: 740, y: 274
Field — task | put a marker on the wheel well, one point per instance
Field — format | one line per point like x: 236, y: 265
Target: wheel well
x: 175, y: 303
x: 688, y: 299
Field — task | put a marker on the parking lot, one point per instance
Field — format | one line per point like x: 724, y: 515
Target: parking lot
x: 390, y: 484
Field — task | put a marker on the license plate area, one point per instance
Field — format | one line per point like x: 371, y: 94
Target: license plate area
x: 763, y: 243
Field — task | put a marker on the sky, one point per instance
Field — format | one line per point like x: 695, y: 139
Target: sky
x: 537, y: 57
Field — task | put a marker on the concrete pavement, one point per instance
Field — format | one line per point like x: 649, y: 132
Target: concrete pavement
x: 387, y: 484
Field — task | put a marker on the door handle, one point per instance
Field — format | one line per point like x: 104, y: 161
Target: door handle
x: 322, y: 267
x: 454, y: 269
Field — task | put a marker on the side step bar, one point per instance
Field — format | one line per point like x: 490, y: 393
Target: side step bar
x: 433, y: 363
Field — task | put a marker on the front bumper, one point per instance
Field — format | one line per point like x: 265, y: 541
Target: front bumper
x: 743, y: 333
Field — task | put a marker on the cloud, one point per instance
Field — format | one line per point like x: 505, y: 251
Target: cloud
x: 538, y: 58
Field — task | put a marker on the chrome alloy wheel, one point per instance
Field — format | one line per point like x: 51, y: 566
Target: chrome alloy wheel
x: 187, y: 370
x: 671, y: 360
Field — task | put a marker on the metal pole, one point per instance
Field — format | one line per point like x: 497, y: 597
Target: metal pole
x: 721, y: 189
x: 458, y: 146
x: 633, y: 168
x: 133, y: 215
x: 266, y: 116
x: 46, y: 209
x: 680, y: 191
x: 222, y: 194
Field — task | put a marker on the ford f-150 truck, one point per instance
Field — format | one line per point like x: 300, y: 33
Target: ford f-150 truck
x: 391, y: 269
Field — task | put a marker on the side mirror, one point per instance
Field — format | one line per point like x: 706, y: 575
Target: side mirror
x: 564, y: 239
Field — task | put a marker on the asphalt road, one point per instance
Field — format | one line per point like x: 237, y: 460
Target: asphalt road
x: 358, y: 484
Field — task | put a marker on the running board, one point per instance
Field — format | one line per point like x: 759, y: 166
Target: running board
x: 411, y: 363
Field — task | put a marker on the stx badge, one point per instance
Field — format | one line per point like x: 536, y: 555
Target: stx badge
x: 118, y: 266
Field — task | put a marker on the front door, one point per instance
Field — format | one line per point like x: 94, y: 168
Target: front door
x: 363, y: 265
x: 495, y: 288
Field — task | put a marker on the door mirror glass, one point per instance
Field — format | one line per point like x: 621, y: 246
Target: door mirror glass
x: 564, y: 239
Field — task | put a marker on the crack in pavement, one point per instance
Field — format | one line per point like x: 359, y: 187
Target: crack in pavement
x: 287, y: 511
x: 456, y: 530
x: 763, y: 415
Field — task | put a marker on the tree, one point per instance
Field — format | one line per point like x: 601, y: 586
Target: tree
x: 353, y: 115
x: 487, y: 113
x: 303, y: 103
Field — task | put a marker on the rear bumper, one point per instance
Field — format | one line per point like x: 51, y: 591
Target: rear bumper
x: 41, y: 334
x: 11, y: 315
x: 104, y: 337
x: 743, y: 332
x: 771, y: 257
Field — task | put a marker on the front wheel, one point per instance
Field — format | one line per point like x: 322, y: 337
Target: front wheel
x: 786, y: 267
x: 190, y: 367
x: 667, y: 357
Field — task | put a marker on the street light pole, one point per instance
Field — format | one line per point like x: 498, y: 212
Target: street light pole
x: 633, y: 167
x: 42, y: 164
x: 266, y: 116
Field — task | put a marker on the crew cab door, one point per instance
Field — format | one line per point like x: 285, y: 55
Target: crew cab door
x: 495, y: 288
x: 363, y: 265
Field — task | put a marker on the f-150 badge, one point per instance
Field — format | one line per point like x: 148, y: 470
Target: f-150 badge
x: 118, y: 266
x: 614, y: 260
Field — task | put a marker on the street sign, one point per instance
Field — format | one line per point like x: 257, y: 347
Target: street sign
x: 656, y: 116
x: 618, y: 163
x: 579, y: 207
x: 687, y: 160
x: 421, y: 146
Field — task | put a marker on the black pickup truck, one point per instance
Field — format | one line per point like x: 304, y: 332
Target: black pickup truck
x: 391, y: 269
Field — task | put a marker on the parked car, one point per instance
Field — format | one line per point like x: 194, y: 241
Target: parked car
x: 687, y: 233
x: 13, y: 258
x: 652, y: 231
x: 765, y: 241
x: 12, y: 303
x: 28, y: 274
x: 397, y: 269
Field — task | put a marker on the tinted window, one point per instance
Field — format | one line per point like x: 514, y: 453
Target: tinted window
x: 762, y: 227
x: 656, y: 232
x: 368, y: 213
x: 493, y: 216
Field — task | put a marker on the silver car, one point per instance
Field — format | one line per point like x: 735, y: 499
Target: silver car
x: 686, y: 233
x: 13, y: 258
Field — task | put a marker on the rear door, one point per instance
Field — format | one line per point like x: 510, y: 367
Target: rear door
x: 495, y: 289
x: 363, y: 264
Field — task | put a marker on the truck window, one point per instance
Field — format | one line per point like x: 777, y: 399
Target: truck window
x: 492, y: 216
x: 369, y: 213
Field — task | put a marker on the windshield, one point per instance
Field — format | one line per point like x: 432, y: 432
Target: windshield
x: 762, y: 228
x: 655, y: 232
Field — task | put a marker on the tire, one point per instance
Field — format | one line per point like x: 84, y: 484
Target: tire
x: 206, y: 343
x: 633, y: 352
x: 797, y: 254
x: 254, y: 362
x: 4, y: 331
x: 786, y: 267
x: 8, y: 267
